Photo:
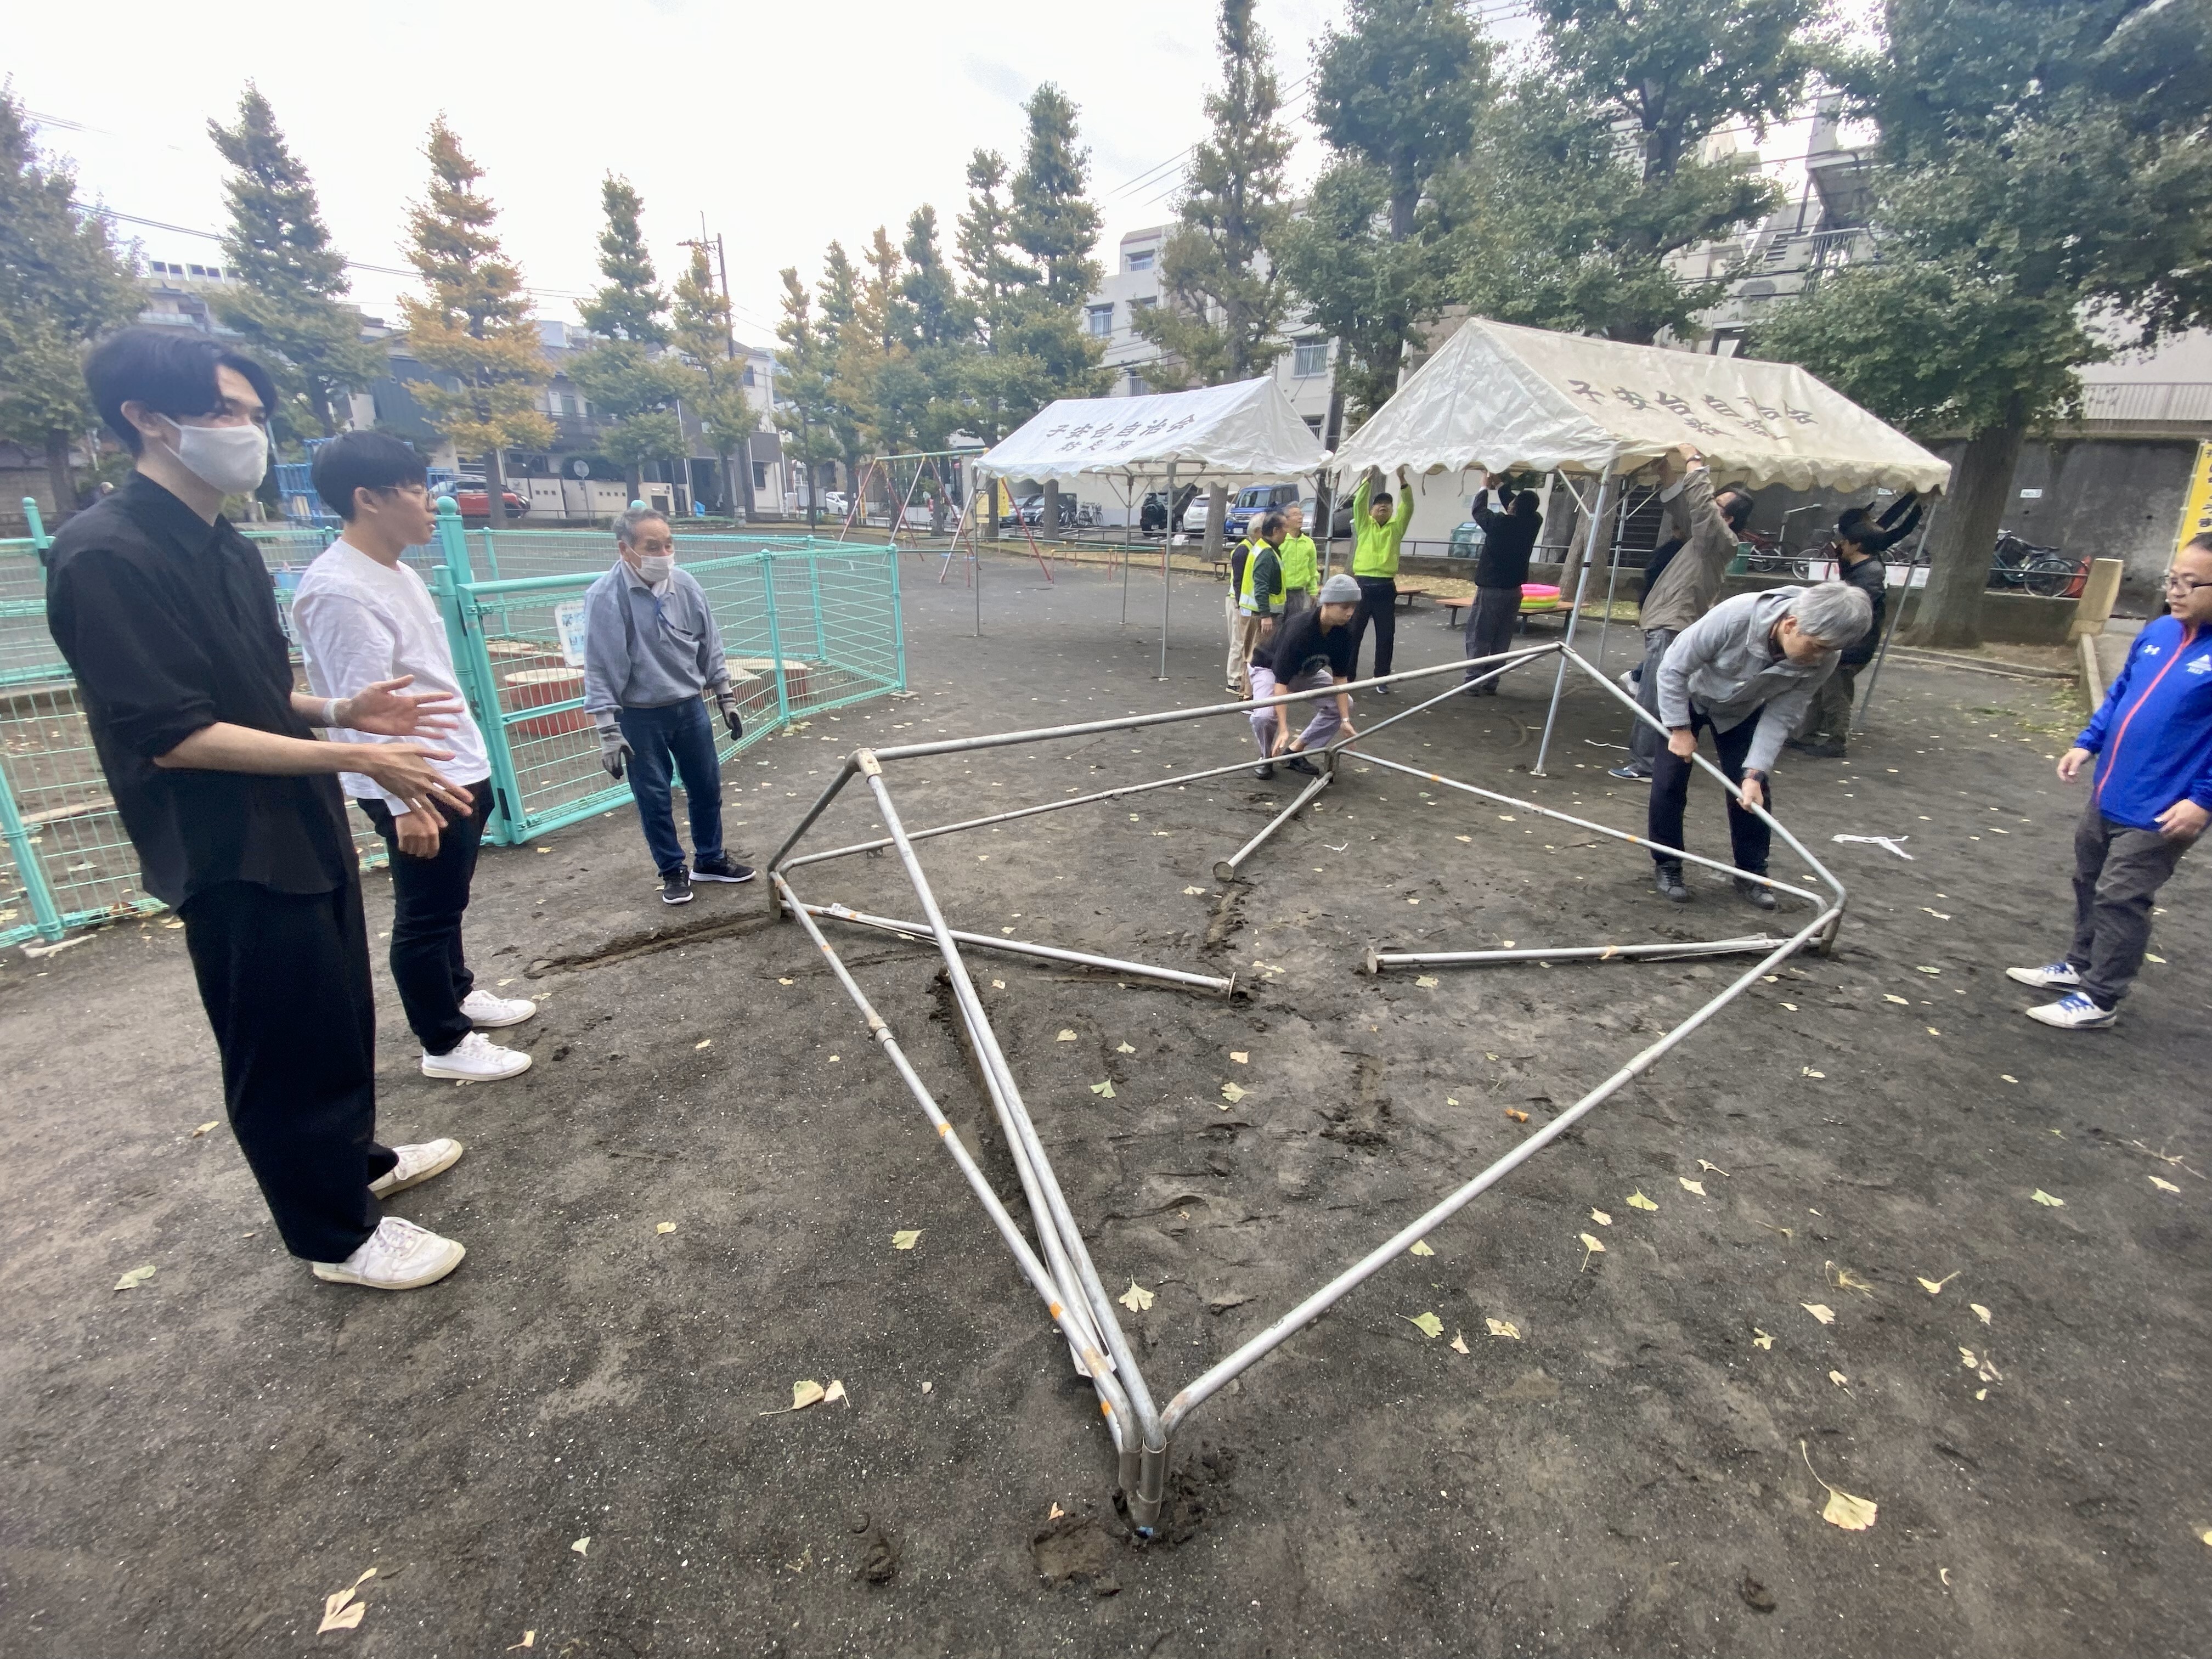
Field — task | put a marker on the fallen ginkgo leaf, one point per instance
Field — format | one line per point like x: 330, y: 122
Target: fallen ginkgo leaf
x: 529, y: 1640
x: 1931, y: 970
x: 1810, y: 1071
x: 665, y: 1227
x: 1591, y: 1246
x: 1231, y: 1092
x: 1690, y: 1186
x: 1428, y: 1324
x: 1195, y: 890
x: 1905, y: 1001
x: 1459, y: 1341
x: 1980, y: 1312
x: 807, y: 1392
x: 1966, y: 1358
x: 1124, y: 1048
x: 1504, y: 1328
x: 704, y: 1042
x: 1601, y: 1218
x: 1851, y: 1514
x: 1426, y: 981
x: 1136, y: 1298
x: 836, y: 1391
x: 906, y: 1238
x: 1840, y: 1381
x: 2163, y: 1185
x: 1240, y: 1056
x: 134, y: 1279
x: 1715, y: 1169
x: 1419, y: 1247
x: 1516, y: 1113
x: 582, y: 1546
x: 1055, y: 1513
x: 1065, y: 1036
x: 786, y: 981
x: 1637, y: 1201
x: 212, y: 1121
x: 1819, y: 1310
x: 2042, y: 1197
x: 1103, y: 1091
x: 1759, y: 1339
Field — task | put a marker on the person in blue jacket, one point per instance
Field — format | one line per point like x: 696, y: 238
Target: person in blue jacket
x: 2150, y: 800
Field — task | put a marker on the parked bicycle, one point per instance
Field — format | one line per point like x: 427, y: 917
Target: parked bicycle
x: 2044, y: 571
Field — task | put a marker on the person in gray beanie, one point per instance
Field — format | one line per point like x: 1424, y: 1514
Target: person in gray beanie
x: 651, y: 655
x: 1314, y: 649
x: 1747, y: 668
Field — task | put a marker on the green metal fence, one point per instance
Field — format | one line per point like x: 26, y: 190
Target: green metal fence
x: 807, y: 625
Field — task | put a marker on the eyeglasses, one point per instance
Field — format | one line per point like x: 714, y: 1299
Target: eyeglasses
x: 2178, y: 583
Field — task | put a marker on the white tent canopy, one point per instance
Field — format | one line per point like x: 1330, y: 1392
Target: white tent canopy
x: 1240, y: 433
x: 1506, y: 399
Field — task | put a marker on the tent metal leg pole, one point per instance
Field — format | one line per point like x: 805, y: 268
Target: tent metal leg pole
x: 1071, y: 1318
x: 1612, y: 573
x: 1896, y: 622
x: 1219, y: 1376
x: 1574, y: 615
x: 919, y: 933
x: 1122, y: 792
x: 1167, y: 570
x: 821, y: 805
x: 1378, y: 960
x: 1225, y: 869
x: 995, y: 1062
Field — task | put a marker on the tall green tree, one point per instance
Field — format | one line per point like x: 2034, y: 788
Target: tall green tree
x: 632, y: 386
x: 1397, y: 92
x: 62, y: 281
x: 289, y: 306
x: 848, y: 348
x: 1054, y: 225
x: 944, y: 341
x: 2044, y: 165
x: 1587, y: 178
x: 713, y: 385
x: 996, y: 276
x: 1225, y: 300
x: 803, y: 410
x: 472, y: 324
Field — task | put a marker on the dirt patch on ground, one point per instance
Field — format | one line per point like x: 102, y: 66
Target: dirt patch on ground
x: 1616, y: 1452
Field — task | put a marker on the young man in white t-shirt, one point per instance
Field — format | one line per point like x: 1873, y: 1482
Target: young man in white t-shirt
x: 363, y: 616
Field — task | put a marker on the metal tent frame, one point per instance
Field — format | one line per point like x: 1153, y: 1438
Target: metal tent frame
x: 1059, y: 1267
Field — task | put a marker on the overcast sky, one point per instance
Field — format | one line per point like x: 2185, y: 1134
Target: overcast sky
x: 785, y: 126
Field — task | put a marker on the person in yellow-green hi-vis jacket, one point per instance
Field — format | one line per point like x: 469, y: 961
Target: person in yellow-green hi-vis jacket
x: 1301, y: 562
x: 1379, y: 523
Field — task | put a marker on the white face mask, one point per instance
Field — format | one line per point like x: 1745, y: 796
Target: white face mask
x: 230, y: 459
x: 654, y: 568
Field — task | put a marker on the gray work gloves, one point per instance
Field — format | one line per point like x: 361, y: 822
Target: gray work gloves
x: 614, y: 752
x: 727, y: 700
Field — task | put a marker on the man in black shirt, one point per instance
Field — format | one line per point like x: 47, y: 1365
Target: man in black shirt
x: 1860, y: 540
x: 168, y: 620
x: 1508, y: 536
x: 1314, y: 648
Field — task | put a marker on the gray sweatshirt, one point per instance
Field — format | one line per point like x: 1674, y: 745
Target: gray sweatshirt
x: 647, y: 650
x: 1726, y: 665
x: 1691, y: 582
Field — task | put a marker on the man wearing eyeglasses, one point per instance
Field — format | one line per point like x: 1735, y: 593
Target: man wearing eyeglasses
x: 652, y: 655
x: 2150, y: 800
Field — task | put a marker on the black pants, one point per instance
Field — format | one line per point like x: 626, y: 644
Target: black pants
x: 1749, y: 839
x: 284, y: 978
x: 2117, y: 871
x: 1830, y: 711
x: 1644, y: 743
x: 1490, y: 630
x: 1378, y: 604
x: 428, y: 896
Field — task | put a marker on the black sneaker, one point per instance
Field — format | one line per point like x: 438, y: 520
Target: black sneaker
x: 676, y: 888
x: 721, y: 869
x: 1264, y: 770
x: 1668, y: 879
x: 1380, y: 690
x: 1758, y: 898
x: 1300, y: 763
x: 1820, y: 748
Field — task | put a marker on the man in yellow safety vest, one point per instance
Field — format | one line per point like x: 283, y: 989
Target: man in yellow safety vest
x: 1259, y: 594
x: 1379, y: 523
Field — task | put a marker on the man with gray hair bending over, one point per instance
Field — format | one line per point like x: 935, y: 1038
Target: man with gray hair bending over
x: 1747, y: 668
x: 651, y: 655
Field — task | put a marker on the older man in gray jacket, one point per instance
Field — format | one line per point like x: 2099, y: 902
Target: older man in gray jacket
x: 651, y: 655
x: 1747, y: 669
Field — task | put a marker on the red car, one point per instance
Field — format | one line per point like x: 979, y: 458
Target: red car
x: 470, y: 494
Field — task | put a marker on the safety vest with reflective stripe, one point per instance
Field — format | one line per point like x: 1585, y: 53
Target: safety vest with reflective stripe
x: 1252, y: 548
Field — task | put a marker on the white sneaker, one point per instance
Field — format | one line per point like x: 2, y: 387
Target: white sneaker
x: 2056, y: 976
x: 416, y: 1165
x: 2074, y: 1013
x: 475, y: 1058
x: 398, y: 1256
x: 487, y: 1012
